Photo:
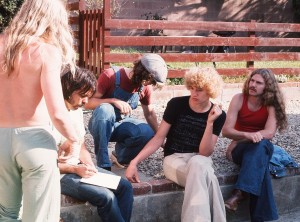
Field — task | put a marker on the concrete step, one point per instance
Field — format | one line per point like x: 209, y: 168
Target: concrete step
x: 161, y: 200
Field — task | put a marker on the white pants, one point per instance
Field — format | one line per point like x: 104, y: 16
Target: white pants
x: 203, y: 200
x: 28, y: 168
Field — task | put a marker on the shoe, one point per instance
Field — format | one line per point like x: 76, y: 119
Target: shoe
x: 233, y: 202
x: 114, y: 160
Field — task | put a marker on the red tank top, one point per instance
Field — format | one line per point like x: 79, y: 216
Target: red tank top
x: 249, y: 121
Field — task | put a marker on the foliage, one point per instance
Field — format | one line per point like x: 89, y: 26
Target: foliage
x: 116, y: 5
x: 8, y: 9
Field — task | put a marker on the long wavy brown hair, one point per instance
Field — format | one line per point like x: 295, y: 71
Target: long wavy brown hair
x: 272, y: 96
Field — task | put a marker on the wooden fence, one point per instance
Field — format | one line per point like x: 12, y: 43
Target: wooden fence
x: 95, y: 42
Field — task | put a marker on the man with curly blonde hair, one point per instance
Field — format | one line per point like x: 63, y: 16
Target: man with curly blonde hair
x: 252, y: 120
x: 191, y: 125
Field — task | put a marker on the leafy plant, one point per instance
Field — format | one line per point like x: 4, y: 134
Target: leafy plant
x: 8, y: 9
x: 116, y: 5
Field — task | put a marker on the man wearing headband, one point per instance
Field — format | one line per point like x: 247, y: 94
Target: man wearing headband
x: 118, y: 93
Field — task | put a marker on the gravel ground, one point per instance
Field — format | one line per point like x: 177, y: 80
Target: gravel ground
x: 152, y: 166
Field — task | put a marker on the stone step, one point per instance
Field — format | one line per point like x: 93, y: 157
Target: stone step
x: 161, y: 200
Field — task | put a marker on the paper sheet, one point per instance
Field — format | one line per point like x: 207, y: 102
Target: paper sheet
x: 104, y: 180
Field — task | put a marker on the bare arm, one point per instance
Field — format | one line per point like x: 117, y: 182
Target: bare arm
x: 150, y: 116
x: 232, y: 113
x: 229, y: 131
x: 153, y: 145
x: 209, y: 140
x: 85, y: 156
x: 97, y: 100
x: 52, y: 91
x: 85, y: 169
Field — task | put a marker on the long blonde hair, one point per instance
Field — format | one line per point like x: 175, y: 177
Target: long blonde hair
x: 47, y: 19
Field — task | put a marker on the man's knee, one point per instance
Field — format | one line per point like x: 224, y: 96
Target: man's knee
x: 201, y: 163
x: 104, y: 111
x: 146, y: 131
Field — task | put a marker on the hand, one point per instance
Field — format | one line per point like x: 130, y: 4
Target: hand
x: 66, y: 150
x: 85, y: 171
x: 132, y: 174
x: 254, y: 137
x: 214, y: 113
x: 124, y: 107
x: 229, y: 149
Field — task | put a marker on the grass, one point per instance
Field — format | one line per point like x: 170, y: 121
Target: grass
x: 221, y: 65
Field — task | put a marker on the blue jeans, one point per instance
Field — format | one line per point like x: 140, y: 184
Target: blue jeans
x: 112, y: 205
x: 130, y: 135
x: 254, y: 178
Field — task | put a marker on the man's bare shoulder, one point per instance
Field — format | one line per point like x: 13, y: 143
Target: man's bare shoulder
x: 236, y: 102
x: 238, y: 97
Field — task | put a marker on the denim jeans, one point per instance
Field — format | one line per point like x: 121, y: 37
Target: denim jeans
x: 112, y: 205
x: 254, y: 178
x: 130, y: 135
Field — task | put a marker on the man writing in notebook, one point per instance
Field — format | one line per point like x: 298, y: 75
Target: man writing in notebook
x: 113, y: 205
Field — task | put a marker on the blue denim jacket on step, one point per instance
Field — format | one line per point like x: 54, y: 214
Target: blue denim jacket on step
x: 279, y: 161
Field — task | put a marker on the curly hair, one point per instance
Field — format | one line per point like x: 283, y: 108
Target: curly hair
x: 204, y: 78
x: 272, y: 96
x: 82, y: 80
x: 47, y: 19
x: 140, y: 73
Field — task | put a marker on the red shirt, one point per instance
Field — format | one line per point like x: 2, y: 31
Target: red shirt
x: 106, y: 85
x: 249, y: 121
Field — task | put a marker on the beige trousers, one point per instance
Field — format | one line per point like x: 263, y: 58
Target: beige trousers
x: 28, y: 168
x: 203, y: 200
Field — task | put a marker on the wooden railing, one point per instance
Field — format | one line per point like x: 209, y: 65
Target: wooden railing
x: 96, y: 42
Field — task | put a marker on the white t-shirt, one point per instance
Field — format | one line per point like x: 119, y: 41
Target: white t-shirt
x: 76, y: 117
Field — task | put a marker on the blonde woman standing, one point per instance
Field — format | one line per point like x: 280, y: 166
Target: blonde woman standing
x: 33, y: 50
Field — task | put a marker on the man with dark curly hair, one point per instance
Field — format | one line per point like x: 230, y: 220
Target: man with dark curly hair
x: 252, y: 120
x: 118, y: 93
x: 112, y: 204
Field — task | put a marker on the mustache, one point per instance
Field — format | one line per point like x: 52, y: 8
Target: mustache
x: 252, y: 88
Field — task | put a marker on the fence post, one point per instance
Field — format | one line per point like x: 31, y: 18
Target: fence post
x: 251, y: 49
x: 81, y: 33
x: 106, y: 32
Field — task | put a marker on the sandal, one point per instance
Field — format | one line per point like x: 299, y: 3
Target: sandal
x: 114, y: 160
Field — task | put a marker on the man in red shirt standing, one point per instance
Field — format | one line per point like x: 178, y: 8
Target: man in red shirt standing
x: 118, y: 93
x: 252, y: 120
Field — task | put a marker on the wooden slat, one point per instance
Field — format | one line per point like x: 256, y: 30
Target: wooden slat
x: 209, y: 57
x: 179, y: 73
x: 201, y: 26
x: 198, y: 41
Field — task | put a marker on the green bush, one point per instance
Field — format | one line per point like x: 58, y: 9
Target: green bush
x: 8, y: 9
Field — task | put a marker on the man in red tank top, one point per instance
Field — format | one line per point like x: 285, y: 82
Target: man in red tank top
x: 252, y: 120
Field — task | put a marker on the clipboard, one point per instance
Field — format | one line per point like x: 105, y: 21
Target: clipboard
x: 110, y: 181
